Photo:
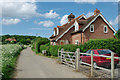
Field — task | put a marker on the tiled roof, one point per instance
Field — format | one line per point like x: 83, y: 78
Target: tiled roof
x: 10, y: 39
x: 63, y: 29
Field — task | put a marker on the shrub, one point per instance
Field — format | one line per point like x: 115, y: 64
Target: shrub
x: 112, y: 44
x: 9, y: 57
x: 36, y: 43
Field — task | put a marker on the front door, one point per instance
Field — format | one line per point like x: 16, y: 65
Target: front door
x: 62, y: 42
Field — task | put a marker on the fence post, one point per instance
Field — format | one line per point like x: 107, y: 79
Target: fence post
x: 112, y: 65
x: 58, y: 55
x: 77, y: 59
x: 92, y: 63
x: 62, y: 51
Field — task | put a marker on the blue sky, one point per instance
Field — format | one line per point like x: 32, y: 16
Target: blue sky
x: 41, y: 17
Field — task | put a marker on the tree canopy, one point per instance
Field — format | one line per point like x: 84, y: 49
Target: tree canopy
x: 117, y: 35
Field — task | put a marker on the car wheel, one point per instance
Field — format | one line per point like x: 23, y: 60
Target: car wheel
x: 95, y: 65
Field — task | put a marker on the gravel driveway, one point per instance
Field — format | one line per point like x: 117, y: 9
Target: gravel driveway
x: 31, y: 65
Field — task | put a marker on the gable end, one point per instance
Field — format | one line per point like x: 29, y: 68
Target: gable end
x: 109, y: 25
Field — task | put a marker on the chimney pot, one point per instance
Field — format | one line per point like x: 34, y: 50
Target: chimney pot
x: 96, y: 11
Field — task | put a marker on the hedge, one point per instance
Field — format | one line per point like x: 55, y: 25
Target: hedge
x: 36, y: 43
x: 112, y: 44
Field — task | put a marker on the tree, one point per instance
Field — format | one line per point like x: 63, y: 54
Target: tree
x: 117, y: 35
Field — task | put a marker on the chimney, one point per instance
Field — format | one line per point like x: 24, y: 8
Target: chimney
x: 70, y: 17
x: 96, y: 11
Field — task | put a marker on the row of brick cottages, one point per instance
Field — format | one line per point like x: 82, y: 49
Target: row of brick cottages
x: 81, y: 29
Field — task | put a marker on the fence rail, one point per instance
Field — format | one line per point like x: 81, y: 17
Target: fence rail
x: 73, y: 59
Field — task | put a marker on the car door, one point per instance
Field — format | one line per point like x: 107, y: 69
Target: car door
x: 85, y: 58
x: 88, y: 57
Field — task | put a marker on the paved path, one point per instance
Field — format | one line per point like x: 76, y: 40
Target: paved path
x: 34, y: 66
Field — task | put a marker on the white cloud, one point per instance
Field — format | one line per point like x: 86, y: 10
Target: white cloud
x: 64, y: 19
x: 10, y: 21
x: 46, y: 23
x: 94, y: 1
x: 87, y: 1
x: 20, y: 8
x: 18, y: 0
x: 116, y: 21
x: 89, y: 14
x: 50, y: 14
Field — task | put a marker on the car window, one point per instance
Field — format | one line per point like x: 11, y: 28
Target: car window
x: 88, y: 51
x: 93, y: 51
x: 104, y: 51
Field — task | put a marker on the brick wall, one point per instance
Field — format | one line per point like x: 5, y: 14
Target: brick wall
x: 99, y: 30
x: 67, y: 36
x: 97, y: 34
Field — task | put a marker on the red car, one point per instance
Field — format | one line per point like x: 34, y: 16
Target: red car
x: 99, y: 61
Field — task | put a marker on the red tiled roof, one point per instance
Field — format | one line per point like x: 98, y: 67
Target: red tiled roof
x: 10, y: 39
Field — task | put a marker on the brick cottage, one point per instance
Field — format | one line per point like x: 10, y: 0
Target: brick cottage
x: 81, y: 29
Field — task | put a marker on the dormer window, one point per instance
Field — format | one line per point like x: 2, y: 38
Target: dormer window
x: 54, y: 32
x: 92, y: 28
x: 57, y: 31
x: 105, y: 29
x: 76, y: 25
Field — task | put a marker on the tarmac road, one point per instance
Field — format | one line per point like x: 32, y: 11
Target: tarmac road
x: 31, y: 65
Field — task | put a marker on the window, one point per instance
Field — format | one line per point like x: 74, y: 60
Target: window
x: 54, y: 32
x: 91, y: 28
x: 104, y: 52
x: 54, y: 43
x: 76, y: 25
x: 105, y: 29
x: 67, y: 42
x: 57, y: 31
x: 76, y: 42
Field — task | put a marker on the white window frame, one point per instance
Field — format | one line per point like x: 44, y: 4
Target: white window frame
x: 76, y: 26
x: 91, y: 27
x: 76, y: 42
x: 106, y: 29
x: 57, y: 31
x: 54, y: 32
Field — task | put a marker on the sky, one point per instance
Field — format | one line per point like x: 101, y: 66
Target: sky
x: 40, y: 18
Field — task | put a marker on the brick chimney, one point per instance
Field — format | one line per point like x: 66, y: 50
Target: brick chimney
x: 70, y: 17
x: 96, y: 11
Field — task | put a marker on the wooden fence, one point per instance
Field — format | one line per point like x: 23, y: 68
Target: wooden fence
x: 73, y: 59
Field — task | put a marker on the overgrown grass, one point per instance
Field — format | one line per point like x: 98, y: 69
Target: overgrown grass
x: 9, y: 57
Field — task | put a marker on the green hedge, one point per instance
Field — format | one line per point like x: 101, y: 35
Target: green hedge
x: 112, y: 44
x: 36, y: 43
x: 53, y: 50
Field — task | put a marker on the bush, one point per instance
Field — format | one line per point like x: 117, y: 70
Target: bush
x: 9, y: 58
x: 38, y: 42
x: 112, y: 44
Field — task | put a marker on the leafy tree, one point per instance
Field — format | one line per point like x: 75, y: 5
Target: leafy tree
x: 117, y: 35
x: 26, y: 40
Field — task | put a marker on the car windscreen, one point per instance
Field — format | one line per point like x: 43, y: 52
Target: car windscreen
x: 104, y: 51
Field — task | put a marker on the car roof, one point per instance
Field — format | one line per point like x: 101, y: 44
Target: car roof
x: 98, y: 49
